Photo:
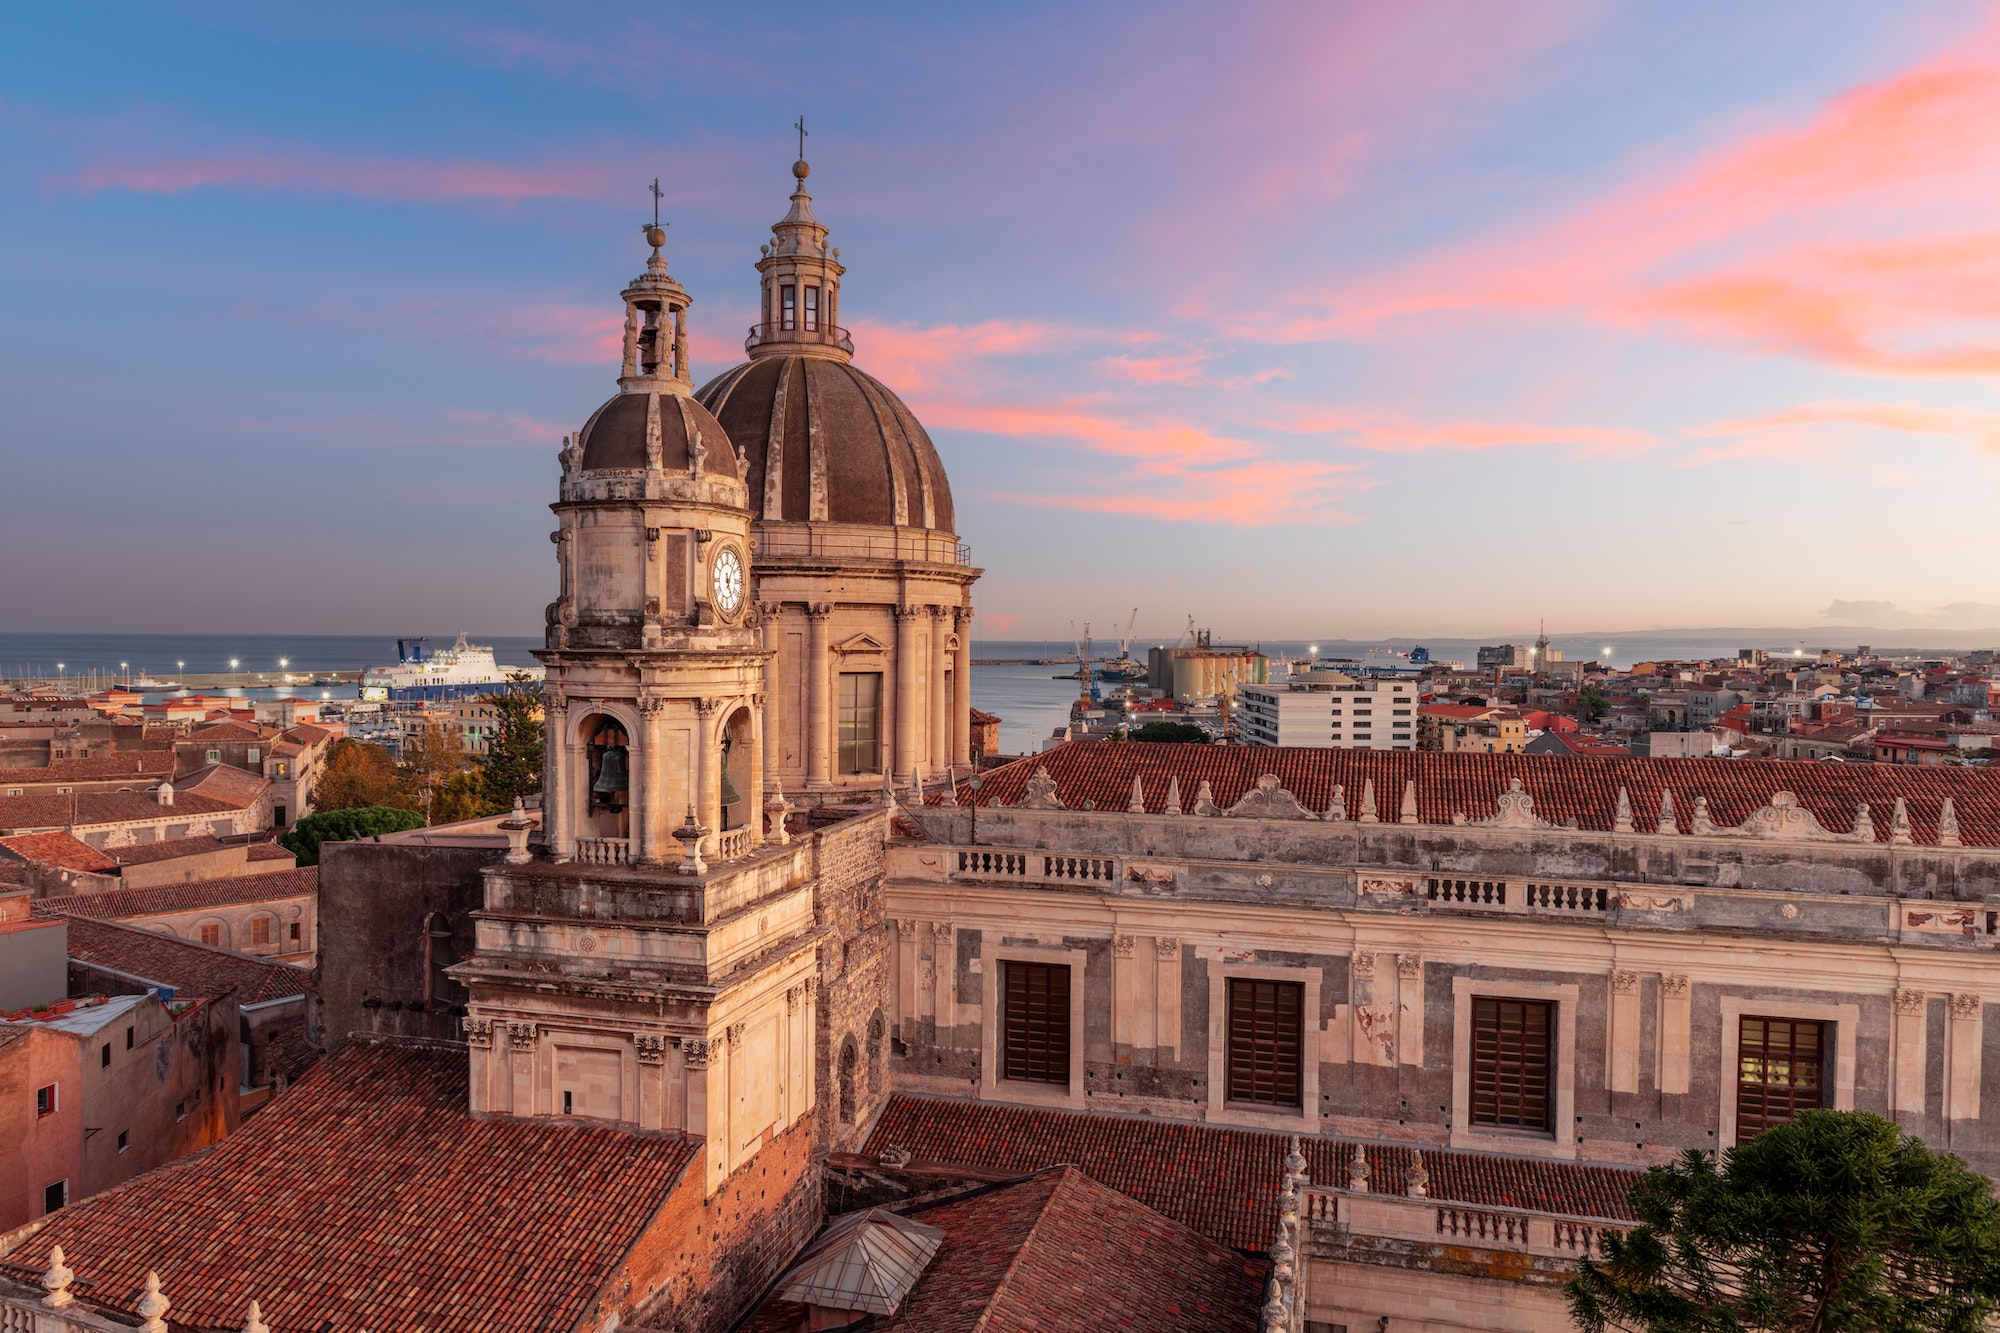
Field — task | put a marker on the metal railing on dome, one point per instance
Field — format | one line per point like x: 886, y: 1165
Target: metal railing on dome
x: 778, y: 333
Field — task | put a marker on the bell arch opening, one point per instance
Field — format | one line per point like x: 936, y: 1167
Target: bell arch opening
x: 737, y: 784
x: 607, y: 748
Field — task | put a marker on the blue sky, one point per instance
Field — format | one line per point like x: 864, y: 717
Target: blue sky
x: 1334, y: 320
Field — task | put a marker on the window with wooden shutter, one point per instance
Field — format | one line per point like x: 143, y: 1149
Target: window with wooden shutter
x: 1036, y: 1037
x: 1778, y: 1072
x: 1265, y: 1039
x: 1511, y: 1063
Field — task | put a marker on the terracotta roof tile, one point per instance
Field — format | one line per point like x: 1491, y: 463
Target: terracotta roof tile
x: 220, y: 782
x: 1062, y: 1253
x: 59, y: 849
x: 1222, y: 1182
x: 85, y: 809
x: 120, y: 904
x: 368, y: 1197
x: 1580, y: 787
x: 167, y: 849
x: 193, y: 969
x: 135, y: 764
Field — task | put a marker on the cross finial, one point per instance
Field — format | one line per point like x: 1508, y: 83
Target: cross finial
x: 801, y: 128
x: 656, y: 201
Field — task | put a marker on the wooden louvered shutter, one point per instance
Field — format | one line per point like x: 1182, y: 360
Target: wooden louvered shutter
x: 1511, y: 1063
x: 1266, y: 1040
x: 1036, y: 1035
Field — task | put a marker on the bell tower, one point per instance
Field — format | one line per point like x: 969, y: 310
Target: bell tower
x: 799, y: 279
x: 654, y: 688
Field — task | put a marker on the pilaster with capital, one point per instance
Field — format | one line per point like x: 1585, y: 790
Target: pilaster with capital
x: 937, y: 693
x: 556, y: 795
x: 961, y: 675
x: 1623, y: 1073
x: 654, y: 841
x: 1167, y: 996
x: 906, y: 704
x: 1912, y: 1055
x: 768, y: 614
x: 819, y: 695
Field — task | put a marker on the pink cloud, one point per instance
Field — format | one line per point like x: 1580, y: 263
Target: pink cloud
x: 1978, y: 427
x: 1818, y: 239
x: 1382, y: 432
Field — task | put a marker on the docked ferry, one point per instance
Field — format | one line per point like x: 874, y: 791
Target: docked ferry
x: 446, y: 673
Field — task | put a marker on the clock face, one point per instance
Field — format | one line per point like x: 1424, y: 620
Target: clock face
x: 727, y: 580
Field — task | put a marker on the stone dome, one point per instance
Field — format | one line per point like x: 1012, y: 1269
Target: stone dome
x: 795, y: 417
x: 615, y: 436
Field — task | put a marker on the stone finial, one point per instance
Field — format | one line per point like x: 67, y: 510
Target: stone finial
x: 1947, y: 827
x: 950, y: 796
x: 1358, y: 1170
x: 1336, y: 809
x: 1409, y: 812
x: 691, y: 835
x: 1137, y: 805
x: 1621, y: 822
x: 1701, y: 824
x: 917, y: 785
x: 776, y: 808
x: 1274, y: 1317
x: 1295, y: 1162
x: 1041, y: 792
x: 253, y: 1321
x: 517, y: 826
x: 1173, y: 806
x: 1368, y: 815
x: 1419, y: 1179
x: 1668, y: 825
x: 1864, y: 824
x: 1899, y: 825
x: 1204, y: 800
x: 56, y: 1281
x: 152, y: 1305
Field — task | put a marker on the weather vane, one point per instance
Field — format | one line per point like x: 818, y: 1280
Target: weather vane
x: 801, y: 128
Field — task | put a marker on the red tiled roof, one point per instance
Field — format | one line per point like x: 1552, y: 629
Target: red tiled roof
x: 88, y: 808
x: 220, y: 782
x: 983, y: 717
x: 59, y: 849
x: 271, y: 851
x: 1222, y: 1182
x: 98, y: 768
x: 231, y: 730
x: 120, y: 904
x: 368, y: 1197
x: 1580, y: 787
x: 193, y: 969
x: 1061, y: 1253
x: 167, y: 849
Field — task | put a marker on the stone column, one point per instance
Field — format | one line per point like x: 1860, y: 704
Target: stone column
x: 906, y: 757
x: 707, y: 798
x: 1676, y: 1012
x: 556, y: 793
x: 1124, y: 997
x: 1906, y: 1102
x: 936, y: 694
x: 1961, y: 1097
x: 1167, y: 1000
x: 767, y: 708
x: 1624, y: 1061
x: 961, y: 704
x: 819, y: 700
x: 652, y: 820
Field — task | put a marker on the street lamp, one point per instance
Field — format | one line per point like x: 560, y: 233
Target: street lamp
x: 232, y: 664
x: 284, y: 662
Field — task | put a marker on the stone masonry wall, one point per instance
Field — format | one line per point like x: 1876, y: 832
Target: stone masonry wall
x: 854, y: 1007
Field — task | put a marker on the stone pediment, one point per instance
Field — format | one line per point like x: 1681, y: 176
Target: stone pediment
x: 1515, y: 809
x: 1268, y: 800
x: 1784, y: 818
x: 863, y: 642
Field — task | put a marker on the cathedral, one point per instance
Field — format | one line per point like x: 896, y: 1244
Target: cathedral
x: 779, y: 1017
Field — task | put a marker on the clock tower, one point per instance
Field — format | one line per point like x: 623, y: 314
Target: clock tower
x: 654, y: 689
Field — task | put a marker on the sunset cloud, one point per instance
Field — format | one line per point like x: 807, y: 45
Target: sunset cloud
x: 1980, y: 428
x: 306, y: 171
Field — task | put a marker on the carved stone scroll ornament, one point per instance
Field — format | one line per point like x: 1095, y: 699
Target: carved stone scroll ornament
x: 695, y: 1051
x: 1674, y: 984
x: 1410, y: 966
x: 1633, y: 900
x: 1268, y: 800
x: 1123, y: 945
x: 1784, y: 818
x: 1041, y: 792
x: 1362, y: 966
x: 1964, y: 1005
x: 1625, y: 983
x: 1514, y: 809
x: 1909, y: 1001
x: 650, y: 1047
x: 1168, y: 948
x: 1385, y: 886
x: 521, y: 1036
x: 478, y: 1031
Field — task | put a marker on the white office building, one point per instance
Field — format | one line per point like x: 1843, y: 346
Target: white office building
x: 1329, y: 708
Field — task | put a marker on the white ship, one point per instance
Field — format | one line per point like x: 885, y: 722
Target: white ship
x: 449, y: 673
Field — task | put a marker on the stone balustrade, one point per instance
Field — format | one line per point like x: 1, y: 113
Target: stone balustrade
x: 1442, y: 1222
x: 604, y: 851
x: 1495, y: 895
x: 1029, y: 866
x: 732, y: 844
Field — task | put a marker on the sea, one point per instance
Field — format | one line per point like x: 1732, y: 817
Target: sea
x: 1029, y: 699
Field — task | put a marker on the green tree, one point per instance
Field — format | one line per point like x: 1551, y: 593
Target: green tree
x: 1170, y: 731
x: 358, y: 774
x: 512, y: 764
x: 1591, y: 704
x: 304, y: 838
x: 437, y: 772
x: 1836, y: 1223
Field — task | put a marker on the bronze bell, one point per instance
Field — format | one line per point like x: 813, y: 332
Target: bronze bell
x: 729, y: 796
x: 612, y: 771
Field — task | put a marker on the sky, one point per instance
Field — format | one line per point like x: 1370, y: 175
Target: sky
x: 1337, y: 319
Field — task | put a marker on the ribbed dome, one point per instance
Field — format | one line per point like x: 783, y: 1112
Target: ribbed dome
x: 879, y: 465
x: 615, y: 435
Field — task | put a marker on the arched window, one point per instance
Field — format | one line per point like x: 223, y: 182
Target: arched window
x: 847, y: 1063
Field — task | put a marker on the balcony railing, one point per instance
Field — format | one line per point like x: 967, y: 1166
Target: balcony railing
x: 1471, y: 1226
x: 1025, y: 865
x: 779, y: 333
x: 1495, y: 895
x: 604, y: 851
x: 732, y: 844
